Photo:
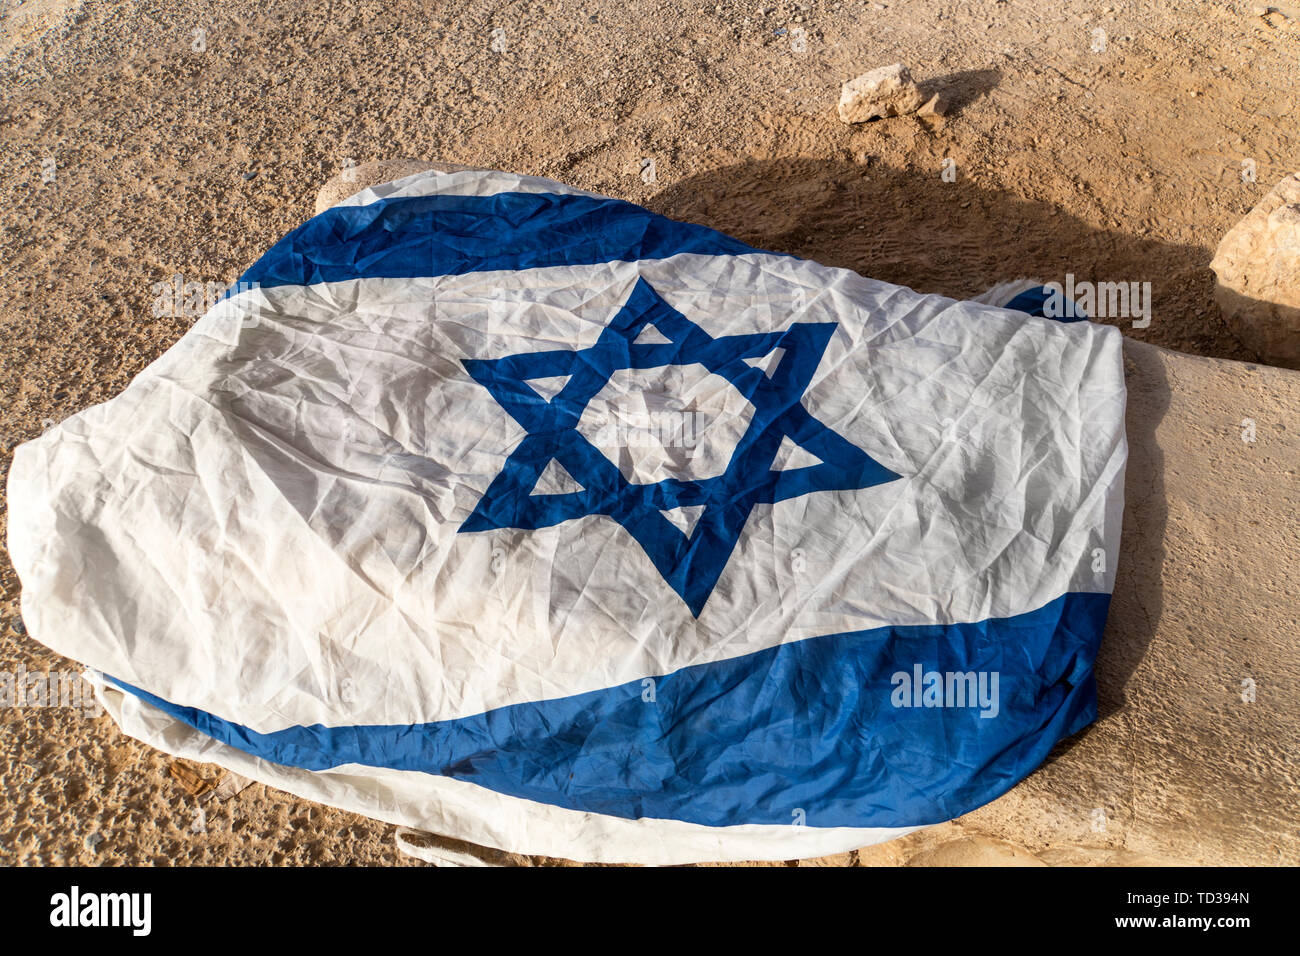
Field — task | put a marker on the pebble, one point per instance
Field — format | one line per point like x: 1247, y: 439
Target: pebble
x: 936, y: 105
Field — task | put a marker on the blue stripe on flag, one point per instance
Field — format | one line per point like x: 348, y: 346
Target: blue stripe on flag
x: 421, y: 236
x: 810, y: 726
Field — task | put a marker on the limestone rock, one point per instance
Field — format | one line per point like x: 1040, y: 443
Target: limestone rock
x: 1199, y: 657
x: 1200, y: 654
x: 1258, y: 269
x: 886, y: 91
x: 936, y: 105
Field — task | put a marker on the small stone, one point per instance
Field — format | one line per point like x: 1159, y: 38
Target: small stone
x: 251, y: 174
x: 936, y: 105
x: 1258, y: 270
x: 886, y: 91
x: 94, y: 841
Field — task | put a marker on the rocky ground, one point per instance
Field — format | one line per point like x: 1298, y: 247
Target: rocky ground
x: 170, y: 137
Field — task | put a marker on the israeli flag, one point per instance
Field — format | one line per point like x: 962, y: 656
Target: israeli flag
x: 519, y: 514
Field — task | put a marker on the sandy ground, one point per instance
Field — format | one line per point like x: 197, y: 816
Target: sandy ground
x: 135, y: 148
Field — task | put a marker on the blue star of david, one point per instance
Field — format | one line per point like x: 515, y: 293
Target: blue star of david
x: 691, y: 564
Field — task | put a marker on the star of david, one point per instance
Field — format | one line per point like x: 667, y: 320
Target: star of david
x: 690, y: 563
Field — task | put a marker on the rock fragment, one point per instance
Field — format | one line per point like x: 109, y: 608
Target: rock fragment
x: 936, y: 105
x: 1258, y: 270
x: 882, y: 92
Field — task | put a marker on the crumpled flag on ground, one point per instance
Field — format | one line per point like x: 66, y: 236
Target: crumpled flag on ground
x: 521, y: 515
